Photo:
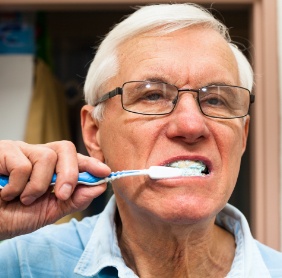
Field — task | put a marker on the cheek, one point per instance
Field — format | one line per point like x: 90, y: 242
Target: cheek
x: 230, y: 145
x: 126, y: 141
x: 229, y: 136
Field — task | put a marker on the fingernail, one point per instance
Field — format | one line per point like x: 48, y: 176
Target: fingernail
x: 28, y: 200
x: 65, y: 191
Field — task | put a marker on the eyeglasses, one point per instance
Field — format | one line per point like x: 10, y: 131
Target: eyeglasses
x: 160, y: 98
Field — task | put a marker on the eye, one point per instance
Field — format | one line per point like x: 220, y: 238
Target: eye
x: 214, y: 100
x: 153, y: 96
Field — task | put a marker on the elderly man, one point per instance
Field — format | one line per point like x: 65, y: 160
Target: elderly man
x: 166, y: 88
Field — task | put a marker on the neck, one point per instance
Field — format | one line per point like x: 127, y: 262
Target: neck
x: 169, y: 251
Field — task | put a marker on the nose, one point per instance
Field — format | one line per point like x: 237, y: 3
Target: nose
x: 187, y: 121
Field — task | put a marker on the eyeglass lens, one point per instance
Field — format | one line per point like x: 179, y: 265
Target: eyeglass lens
x: 160, y: 98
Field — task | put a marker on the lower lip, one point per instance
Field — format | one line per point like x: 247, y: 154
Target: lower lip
x: 182, y: 181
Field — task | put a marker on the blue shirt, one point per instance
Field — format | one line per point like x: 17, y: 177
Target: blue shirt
x: 89, y: 248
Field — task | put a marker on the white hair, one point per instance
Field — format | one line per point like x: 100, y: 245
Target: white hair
x: 160, y: 20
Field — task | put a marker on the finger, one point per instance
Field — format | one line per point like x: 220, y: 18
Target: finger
x: 93, y: 166
x: 44, y: 162
x: 66, y: 168
x: 79, y: 200
x: 14, y: 163
x: 84, y: 195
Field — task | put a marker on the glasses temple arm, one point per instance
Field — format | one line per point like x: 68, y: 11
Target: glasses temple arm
x: 116, y: 91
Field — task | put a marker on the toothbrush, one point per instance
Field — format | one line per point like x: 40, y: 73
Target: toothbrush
x: 154, y: 172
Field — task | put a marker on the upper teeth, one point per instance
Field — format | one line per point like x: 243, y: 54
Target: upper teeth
x: 190, y: 167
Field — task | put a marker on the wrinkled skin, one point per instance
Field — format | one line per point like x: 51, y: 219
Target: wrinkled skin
x: 27, y: 202
x: 178, y: 210
x: 174, y: 234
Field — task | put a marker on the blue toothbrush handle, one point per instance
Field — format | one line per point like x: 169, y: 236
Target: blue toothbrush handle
x: 83, y: 178
x: 3, y: 180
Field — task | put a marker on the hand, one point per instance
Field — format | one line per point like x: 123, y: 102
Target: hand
x: 28, y: 202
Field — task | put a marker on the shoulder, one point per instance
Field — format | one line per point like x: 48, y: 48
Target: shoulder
x: 74, y: 233
x: 272, y: 259
x: 49, y: 249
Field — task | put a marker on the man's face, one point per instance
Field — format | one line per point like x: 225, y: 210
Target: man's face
x: 189, y: 58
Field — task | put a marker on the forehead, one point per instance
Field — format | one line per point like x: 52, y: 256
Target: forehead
x: 187, y: 56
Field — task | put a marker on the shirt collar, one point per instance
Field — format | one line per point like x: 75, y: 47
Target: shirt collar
x: 248, y: 261
x: 102, y: 250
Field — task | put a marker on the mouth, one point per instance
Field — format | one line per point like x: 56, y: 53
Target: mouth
x: 190, y: 167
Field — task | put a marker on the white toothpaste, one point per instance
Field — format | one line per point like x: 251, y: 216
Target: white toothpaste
x: 189, y: 167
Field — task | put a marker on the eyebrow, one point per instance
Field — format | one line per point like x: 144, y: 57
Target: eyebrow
x: 162, y: 79
x: 219, y: 84
x: 157, y: 79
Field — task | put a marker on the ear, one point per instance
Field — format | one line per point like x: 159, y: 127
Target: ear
x: 246, y: 123
x: 90, y: 132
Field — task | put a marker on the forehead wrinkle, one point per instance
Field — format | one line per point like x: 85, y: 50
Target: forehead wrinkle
x: 158, y: 73
x: 154, y: 71
x: 171, y: 73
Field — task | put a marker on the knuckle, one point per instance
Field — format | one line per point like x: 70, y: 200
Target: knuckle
x: 24, y: 168
x: 68, y: 145
x: 35, y: 189
x: 61, y: 146
x: 6, y: 145
x: 48, y: 155
x: 5, y: 142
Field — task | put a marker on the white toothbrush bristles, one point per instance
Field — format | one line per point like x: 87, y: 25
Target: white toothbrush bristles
x: 162, y: 172
x: 196, y: 168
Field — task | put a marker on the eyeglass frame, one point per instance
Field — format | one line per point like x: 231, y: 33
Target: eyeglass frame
x: 119, y: 91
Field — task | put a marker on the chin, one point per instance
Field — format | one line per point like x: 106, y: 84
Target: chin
x: 186, y: 210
